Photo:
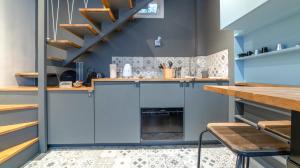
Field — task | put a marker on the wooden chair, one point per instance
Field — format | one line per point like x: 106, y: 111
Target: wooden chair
x: 246, y: 141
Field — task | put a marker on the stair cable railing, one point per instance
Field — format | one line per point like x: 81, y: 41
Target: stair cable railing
x: 55, y: 19
x: 70, y: 11
x: 48, y: 30
x: 86, y: 2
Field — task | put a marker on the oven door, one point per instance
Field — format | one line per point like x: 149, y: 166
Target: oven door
x: 162, y: 124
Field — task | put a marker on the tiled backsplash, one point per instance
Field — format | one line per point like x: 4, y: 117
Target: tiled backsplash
x: 216, y: 64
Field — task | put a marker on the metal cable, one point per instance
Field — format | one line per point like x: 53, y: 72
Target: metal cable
x: 55, y: 20
x: 86, y: 2
x: 70, y: 12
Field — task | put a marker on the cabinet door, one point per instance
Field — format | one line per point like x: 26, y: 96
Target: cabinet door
x: 162, y: 94
x: 117, y: 113
x: 201, y: 108
x: 70, y: 117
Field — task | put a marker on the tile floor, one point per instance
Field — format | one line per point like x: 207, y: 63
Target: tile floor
x: 134, y: 157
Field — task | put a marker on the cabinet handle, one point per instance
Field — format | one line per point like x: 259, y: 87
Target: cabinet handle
x: 137, y: 83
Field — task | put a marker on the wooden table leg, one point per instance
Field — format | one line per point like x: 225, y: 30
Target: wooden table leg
x: 294, y: 158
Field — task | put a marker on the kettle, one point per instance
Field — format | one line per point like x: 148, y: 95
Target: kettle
x: 127, y: 71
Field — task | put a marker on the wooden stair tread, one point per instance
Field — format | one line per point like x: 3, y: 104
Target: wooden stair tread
x: 54, y: 58
x: 13, y: 151
x: 241, y: 137
x: 18, y: 89
x: 12, y: 107
x: 80, y: 30
x: 63, y: 44
x: 27, y: 74
x: 115, y: 4
x: 15, y: 127
x: 97, y: 15
x: 281, y: 127
x: 31, y: 74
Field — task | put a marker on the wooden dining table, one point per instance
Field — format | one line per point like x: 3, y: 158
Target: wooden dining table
x: 281, y: 97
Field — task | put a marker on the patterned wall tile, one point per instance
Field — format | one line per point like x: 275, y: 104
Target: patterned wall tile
x: 216, y: 64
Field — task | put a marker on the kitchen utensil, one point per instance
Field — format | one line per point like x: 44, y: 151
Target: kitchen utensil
x: 170, y: 64
x: 279, y: 47
x: 264, y: 49
x: 90, y: 75
x: 249, y: 53
x: 68, y: 75
x: 127, y: 71
x: 168, y: 73
x: 112, y: 70
x: 205, y: 74
x: 242, y: 54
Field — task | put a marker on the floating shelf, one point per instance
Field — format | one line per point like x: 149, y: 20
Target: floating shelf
x: 268, y: 54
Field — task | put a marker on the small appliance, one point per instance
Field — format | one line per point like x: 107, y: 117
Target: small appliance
x: 127, y: 71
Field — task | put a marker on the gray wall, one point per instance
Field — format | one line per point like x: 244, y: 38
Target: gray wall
x: 137, y: 38
x: 17, y: 42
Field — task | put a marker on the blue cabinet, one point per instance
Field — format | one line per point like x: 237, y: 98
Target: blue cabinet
x: 202, y: 107
x: 117, y: 112
x: 70, y: 117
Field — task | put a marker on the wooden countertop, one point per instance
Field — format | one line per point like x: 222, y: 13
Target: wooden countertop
x: 159, y: 79
x: 84, y: 88
x: 282, y: 97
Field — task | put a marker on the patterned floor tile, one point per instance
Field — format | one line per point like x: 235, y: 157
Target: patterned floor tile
x: 134, y: 157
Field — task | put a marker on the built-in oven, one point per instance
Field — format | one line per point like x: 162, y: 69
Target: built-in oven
x: 162, y: 124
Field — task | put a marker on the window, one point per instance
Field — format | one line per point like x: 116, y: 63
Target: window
x: 155, y: 9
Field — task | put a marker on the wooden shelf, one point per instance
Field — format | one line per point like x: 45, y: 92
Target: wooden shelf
x: 54, y: 58
x: 12, y: 107
x: 27, y: 74
x: 12, y: 128
x: 13, y: 151
x: 80, y: 30
x: 63, y: 44
x: 272, y: 53
x: 97, y: 15
x: 116, y: 4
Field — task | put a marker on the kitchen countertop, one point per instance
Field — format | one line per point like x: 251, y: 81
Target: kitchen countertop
x: 84, y: 88
x: 159, y: 79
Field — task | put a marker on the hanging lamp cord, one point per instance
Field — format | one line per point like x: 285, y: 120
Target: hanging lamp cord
x: 55, y: 20
x: 86, y: 2
x: 70, y: 11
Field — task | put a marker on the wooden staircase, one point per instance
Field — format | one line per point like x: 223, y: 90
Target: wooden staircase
x: 109, y: 13
x: 18, y: 134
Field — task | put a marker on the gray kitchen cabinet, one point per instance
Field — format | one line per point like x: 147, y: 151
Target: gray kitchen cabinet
x: 117, y: 112
x: 70, y: 117
x: 166, y: 94
x: 201, y: 108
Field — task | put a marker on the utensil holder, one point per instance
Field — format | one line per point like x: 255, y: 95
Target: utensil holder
x: 168, y: 73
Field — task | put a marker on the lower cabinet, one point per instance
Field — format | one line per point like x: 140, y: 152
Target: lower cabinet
x: 117, y: 112
x: 202, y: 107
x: 70, y: 117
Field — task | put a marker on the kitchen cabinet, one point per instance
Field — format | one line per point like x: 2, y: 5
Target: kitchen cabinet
x: 117, y: 112
x: 70, y: 117
x: 166, y: 94
x: 202, y: 107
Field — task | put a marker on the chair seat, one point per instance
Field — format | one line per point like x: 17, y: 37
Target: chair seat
x: 246, y: 140
x: 281, y: 128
